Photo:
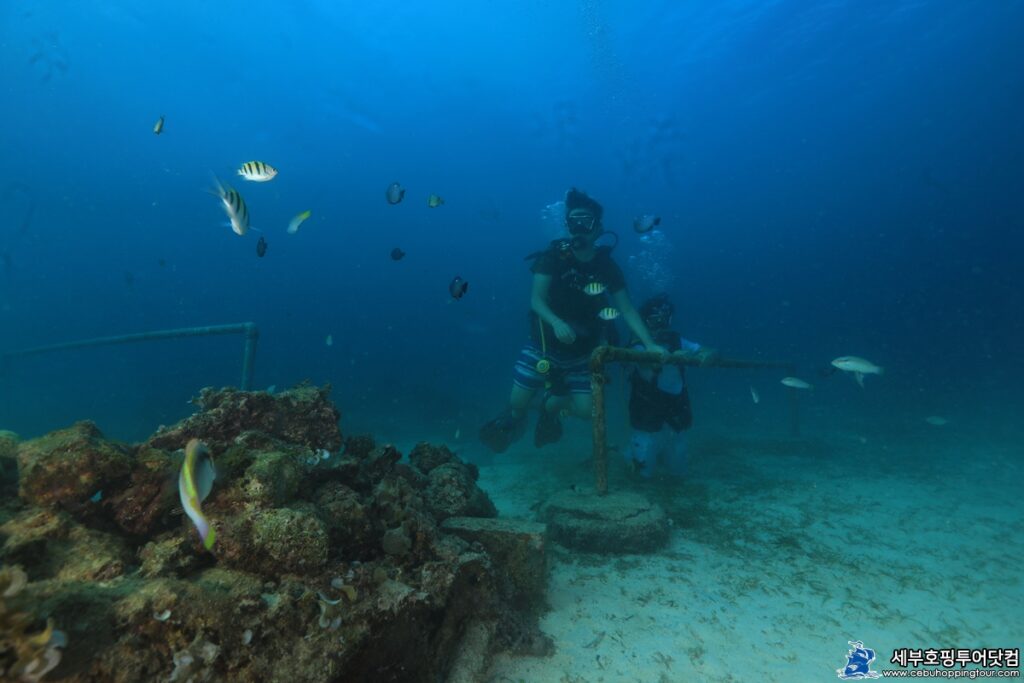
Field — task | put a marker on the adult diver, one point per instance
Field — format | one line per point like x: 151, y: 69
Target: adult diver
x: 577, y: 290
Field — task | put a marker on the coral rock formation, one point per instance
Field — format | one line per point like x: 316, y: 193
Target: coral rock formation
x: 330, y: 562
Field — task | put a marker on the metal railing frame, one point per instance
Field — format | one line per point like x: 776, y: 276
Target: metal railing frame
x: 250, y: 331
x: 603, y: 355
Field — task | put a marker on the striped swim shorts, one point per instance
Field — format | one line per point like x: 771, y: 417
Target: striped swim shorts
x: 567, y: 375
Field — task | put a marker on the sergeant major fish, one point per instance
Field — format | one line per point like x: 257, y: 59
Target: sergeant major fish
x: 235, y: 208
x: 257, y: 171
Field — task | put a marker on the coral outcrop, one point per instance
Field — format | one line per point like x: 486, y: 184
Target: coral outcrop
x: 330, y: 561
x: 303, y: 416
x: 67, y: 467
x: 8, y: 463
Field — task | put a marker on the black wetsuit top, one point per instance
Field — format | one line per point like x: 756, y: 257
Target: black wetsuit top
x: 650, y: 408
x: 569, y: 302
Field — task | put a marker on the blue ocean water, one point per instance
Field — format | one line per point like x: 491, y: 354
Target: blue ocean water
x: 833, y: 178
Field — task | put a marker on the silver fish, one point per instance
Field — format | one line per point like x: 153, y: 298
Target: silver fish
x: 858, y: 366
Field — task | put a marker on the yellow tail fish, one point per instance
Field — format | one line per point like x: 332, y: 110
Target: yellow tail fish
x: 194, y: 484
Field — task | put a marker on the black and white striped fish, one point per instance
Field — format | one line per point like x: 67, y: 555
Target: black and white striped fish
x: 257, y: 171
x: 234, y: 207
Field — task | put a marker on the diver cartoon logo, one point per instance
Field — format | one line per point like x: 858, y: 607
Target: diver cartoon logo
x: 858, y: 662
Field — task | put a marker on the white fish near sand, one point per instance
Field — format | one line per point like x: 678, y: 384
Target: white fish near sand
x: 936, y: 421
x: 795, y: 383
x: 755, y: 397
x: 858, y: 366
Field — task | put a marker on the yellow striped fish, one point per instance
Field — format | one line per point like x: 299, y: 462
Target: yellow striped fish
x: 608, y: 313
x: 195, y: 481
x: 234, y: 206
x: 594, y: 288
x: 257, y: 171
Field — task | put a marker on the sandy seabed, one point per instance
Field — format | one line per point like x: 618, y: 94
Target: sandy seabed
x: 781, y: 552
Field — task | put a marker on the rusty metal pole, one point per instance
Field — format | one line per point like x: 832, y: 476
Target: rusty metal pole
x: 252, y: 335
x: 250, y: 331
x: 597, y: 382
x: 794, y: 412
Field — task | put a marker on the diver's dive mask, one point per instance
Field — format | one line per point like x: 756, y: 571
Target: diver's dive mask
x: 659, y: 318
x: 582, y: 224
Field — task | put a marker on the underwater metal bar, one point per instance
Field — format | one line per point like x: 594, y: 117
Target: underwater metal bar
x: 609, y: 354
x: 251, y: 332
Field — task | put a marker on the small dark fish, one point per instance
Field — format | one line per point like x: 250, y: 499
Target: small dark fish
x: 163, y: 263
x: 643, y: 224
x: 397, y: 254
x: 261, y: 247
x: 457, y: 288
x: 395, y: 193
x: 129, y: 278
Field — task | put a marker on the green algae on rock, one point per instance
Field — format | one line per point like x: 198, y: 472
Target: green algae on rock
x: 272, y: 479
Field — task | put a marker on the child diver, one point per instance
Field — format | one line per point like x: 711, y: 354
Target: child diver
x: 659, y: 402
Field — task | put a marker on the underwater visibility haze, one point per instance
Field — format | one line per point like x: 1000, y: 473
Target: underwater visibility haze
x: 366, y: 184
